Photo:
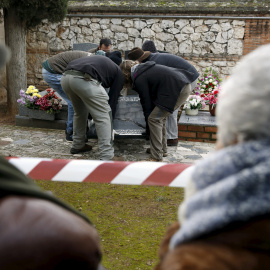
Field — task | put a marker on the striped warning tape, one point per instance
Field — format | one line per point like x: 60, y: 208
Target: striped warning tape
x: 125, y: 173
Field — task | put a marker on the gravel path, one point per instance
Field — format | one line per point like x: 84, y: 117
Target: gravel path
x: 50, y: 143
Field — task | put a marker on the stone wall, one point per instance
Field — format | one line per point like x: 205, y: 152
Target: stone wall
x: 238, y: 7
x: 206, y: 42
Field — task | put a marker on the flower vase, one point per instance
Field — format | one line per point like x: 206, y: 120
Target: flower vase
x: 212, y: 110
x: 192, y: 112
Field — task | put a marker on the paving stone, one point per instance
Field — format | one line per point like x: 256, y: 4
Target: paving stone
x: 51, y: 143
x: 186, y: 145
x: 193, y: 157
x: 23, y: 141
x: 7, y: 139
x: 183, y: 149
x: 200, y: 151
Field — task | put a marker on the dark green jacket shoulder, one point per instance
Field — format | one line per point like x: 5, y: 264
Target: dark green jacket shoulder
x: 14, y: 182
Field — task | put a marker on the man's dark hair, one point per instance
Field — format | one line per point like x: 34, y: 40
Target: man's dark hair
x: 105, y: 41
x: 149, y: 45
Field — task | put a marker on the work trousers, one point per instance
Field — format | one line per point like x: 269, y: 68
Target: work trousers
x: 171, y: 124
x: 88, y: 96
x: 157, y: 125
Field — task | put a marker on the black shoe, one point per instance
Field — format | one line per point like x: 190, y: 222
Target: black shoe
x: 172, y: 142
x: 69, y: 136
x: 86, y: 148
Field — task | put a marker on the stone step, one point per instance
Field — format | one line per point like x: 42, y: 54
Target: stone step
x: 129, y: 119
x: 25, y: 121
x: 129, y: 122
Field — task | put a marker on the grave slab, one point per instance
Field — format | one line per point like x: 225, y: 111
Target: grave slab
x: 84, y: 46
x: 129, y: 119
x: 203, y: 118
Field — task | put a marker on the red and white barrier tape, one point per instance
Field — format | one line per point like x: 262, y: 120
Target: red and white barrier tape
x: 125, y: 173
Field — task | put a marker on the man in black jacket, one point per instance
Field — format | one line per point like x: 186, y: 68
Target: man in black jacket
x: 84, y: 81
x: 169, y: 60
x: 161, y: 90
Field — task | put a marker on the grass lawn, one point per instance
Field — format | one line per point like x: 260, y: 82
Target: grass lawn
x: 131, y: 220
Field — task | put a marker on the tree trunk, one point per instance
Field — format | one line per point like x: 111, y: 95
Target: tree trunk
x: 15, y: 37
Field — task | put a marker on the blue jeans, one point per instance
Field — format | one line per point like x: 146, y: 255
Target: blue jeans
x: 54, y: 81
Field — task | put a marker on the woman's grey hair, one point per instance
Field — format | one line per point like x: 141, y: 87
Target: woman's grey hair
x: 4, y: 54
x: 243, y: 111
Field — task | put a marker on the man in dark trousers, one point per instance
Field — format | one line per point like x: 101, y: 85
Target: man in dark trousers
x: 161, y: 90
x: 84, y: 81
x: 169, y: 60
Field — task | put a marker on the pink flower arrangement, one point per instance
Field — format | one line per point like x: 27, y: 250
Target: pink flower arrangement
x: 50, y: 102
x: 194, y: 102
x: 208, y: 83
x: 211, y: 98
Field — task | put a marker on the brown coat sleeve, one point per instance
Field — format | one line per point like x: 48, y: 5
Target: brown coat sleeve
x: 38, y: 234
x: 234, y: 248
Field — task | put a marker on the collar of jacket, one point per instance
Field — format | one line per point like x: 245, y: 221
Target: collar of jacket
x: 141, y: 68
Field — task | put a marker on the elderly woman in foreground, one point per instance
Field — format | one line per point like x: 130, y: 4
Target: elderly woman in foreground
x: 225, y: 217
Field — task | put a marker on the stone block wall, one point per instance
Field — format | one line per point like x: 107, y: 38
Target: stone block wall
x: 216, y: 41
x: 205, y: 43
x: 237, y: 7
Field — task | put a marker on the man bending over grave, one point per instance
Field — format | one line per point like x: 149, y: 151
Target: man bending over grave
x: 161, y: 90
x: 84, y: 81
x: 169, y: 60
x: 52, y: 70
